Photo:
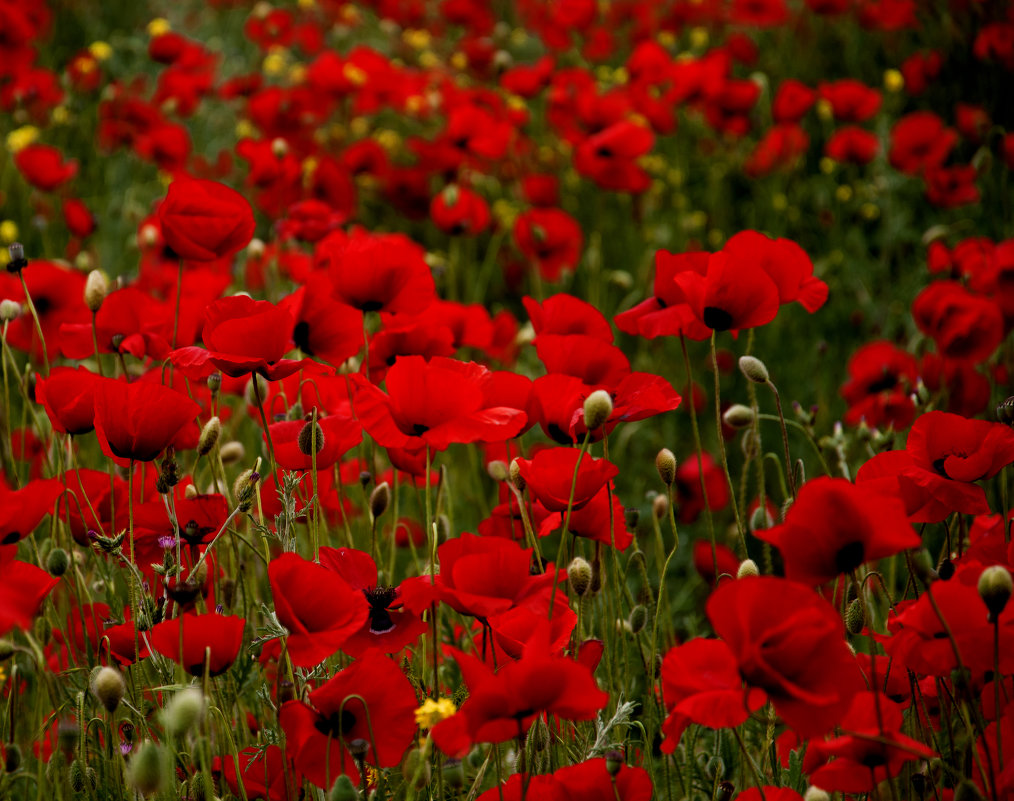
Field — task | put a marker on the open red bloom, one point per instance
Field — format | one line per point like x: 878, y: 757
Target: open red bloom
x: 963, y: 325
x: 549, y: 476
x: 320, y: 610
x: 790, y: 643
x: 503, y: 705
x: 586, y: 781
x: 550, y: 239
x: 210, y: 639
x: 137, y: 421
x: 22, y: 510
x: 666, y: 313
x: 609, y: 157
x: 43, y: 166
x: 834, y: 527
x: 129, y: 321
x: 785, y: 262
x: 323, y: 328
x: 242, y: 336
x: 377, y: 272
x: 734, y: 293
x: 68, y: 396
x: 368, y: 705
x: 434, y: 404
x: 23, y: 588
x: 205, y: 220
x: 881, y: 379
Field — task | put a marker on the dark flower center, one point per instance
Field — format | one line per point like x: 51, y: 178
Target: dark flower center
x: 885, y: 382
x: 379, y: 599
x: 335, y: 724
x: 418, y: 429
x: 849, y: 557
x: 717, y: 319
x: 301, y: 336
x: 371, y: 305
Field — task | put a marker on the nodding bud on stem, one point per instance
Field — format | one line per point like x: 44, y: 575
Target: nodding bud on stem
x: 747, y: 568
x: 109, y: 687
x: 754, y: 369
x: 232, y: 452
x: 515, y: 476
x: 244, y: 489
x: 579, y: 573
x: 995, y: 587
x: 144, y: 772
x: 95, y: 291
x: 379, y: 499
x: 597, y: 408
x: 638, y: 619
x: 660, y: 506
x: 184, y: 711
x: 665, y: 463
x: 311, y: 438
x: 738, y: 416
x: 209, y: 436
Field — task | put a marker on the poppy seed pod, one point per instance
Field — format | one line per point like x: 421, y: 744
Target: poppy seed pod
x: 738, y: 416
x: 597, y: 408
x: 95, y: 291
x: 754, y: 369
x: 665, y: 463
x: 995, y: 590
x: 311, y: 438
x: 209, y: 436
x: 579, y: 573
x: 109, y: 687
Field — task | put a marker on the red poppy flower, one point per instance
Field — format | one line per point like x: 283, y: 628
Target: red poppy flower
x: 80, y: 221
x: 689, y: 500
x: 948, y: 187
x: 834, y: 527
x: 705, y: 562
x: 320, y: 610
x: 609, y: 157
x: 503, y: 705
x: 759, y: 13
x: 851, y: 100
x: 210, y: 639
x: 963, y: 325
x: 434, y: 404
x: 791, y: 101
x: 920, y: 141
x: 43, y: 166
x: 565, y: 314
x: 23, y: 588
x: 550, y: 474
x: 781, y: 148
x: 586, y: 781
x: 371, y: 695
x: 205, y: 220
x: 550, y: 239
x: 58, y: 295
x: 733, y: 294
x: 789, y: 642
x: 22, y: 510
x: 89, y: 502
x: 242, y: 336
x: 68, y: 396
x: 785, y: 262
x: 324, y: 328
x: 852, y: 145
x: 129, y: 321
x: 666, y: 313
x: 199, y: 518
x: 377, y: 272
x: 137, y: 421
x: 460, y: 211
x: 881, y: 379
x: 389, y: 627
x: 262, y: 771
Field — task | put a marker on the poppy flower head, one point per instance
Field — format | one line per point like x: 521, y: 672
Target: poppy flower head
x: 549, y: 476
x: 204, y: 220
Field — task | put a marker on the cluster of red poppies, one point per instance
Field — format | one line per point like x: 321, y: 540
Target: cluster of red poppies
x: 489, y: 238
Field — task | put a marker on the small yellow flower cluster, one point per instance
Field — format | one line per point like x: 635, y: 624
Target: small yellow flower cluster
x: 432, y: 712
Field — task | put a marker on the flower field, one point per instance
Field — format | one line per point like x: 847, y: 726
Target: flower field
x: 523, y: 400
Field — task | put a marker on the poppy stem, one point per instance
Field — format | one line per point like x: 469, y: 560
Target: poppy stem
x: 721, y: 448
x: 95, y: 343
x: 566, y: 521
x: 35, y: 319
x: 317, y: 509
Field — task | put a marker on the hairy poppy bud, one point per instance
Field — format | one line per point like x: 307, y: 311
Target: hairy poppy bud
x: 498, y: 470
x: 379, y: 499
x: 57, y: 562
x: 144, y: 772
x: 738, y: 416
x: 660, y: 506
x: 614, y: 761
x: 725, y: 791
x: 815, y: 794
x: 515, y: 476
x: 109, y: 687
x: 638, y: 619
x: 77, y: 777
x: 183, y: 712
x: 995, y: 589
x: 95, y: 291
x: 754, y: 369
x: 747, y: 568
x: 209, y: 436
x: 311, y: 438
x: 597, y: 408
x: 18, y: 262
x: 579, y: 573
x: 244, y: 489
x: 454, y: 774
x: 232, y: 452
x: 9, y: 310
x: 855, y: 616
x: 665, y: 463
x: 343, y: 790
x: 1004, y: 411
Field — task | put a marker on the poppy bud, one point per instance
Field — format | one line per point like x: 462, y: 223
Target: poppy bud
x: 597, y: 408
x: 815, y: 794
x: 538, y: 736
x: 77, y: 777
x: 665, y: 463
x: 109, y: 687
x: 57, y: 562
x: 614, y: 761
x: 190, y: 492
x: 715, y: 768
x: 95, y: 291
x: 144, y: 773
x: 214, y: 382
x: 660, y: 506
x: 738, y: 416
x: 1004, y: 411
x: 855, y: 616
x: 311, y: 438
x: 343, y: 790
x: 754, y: 369
x: 638, y: 619
x: 17, y: 262
x: 183, y: 712
x: 199, y: 790
x: 9, y: 310
x: 256, y: 385
x: 515, y: 476
x: 747, y: 568
x: 359, y: 748
x: 6, y: 650
x: 243, y: 489
x: 760, y: 519
x: 12, y: 757
x: 579, y: 573
x: 365, y: 477
x: 379, y: 499
x: 631, y: 517
x: 498, y: 470
x: 946, y: 570
x: 922, y: 564
x: 725, y: 791
x: 209, y: 436
x: 454, y: 773
x: 232, y: 452
x: 995, y: 589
